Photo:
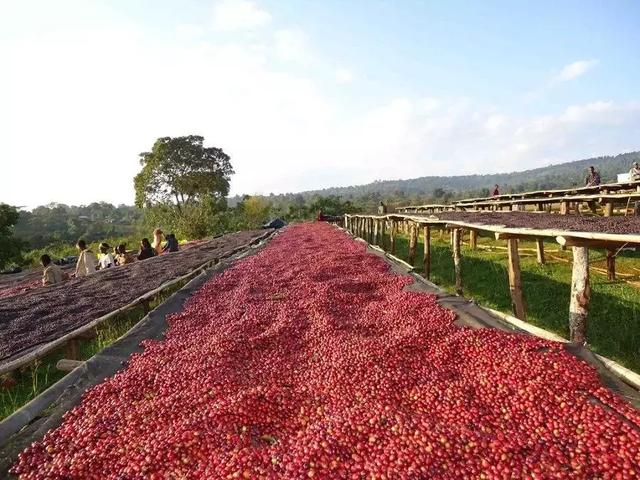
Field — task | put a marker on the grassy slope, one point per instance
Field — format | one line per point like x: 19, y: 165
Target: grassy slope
x: 614, y: 318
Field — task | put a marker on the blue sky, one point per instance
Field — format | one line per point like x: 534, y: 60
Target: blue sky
x: 306, y: 94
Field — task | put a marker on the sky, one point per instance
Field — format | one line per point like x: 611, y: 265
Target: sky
x: 305, y: 94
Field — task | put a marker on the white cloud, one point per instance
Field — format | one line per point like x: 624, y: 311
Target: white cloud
x: 575, y: 70
x: 229, y: 15
x: 190, y: 30
x: 343, y: 75
x: 291, y: 46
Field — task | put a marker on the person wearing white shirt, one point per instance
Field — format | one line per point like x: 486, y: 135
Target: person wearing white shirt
x: 86, y: 264
x: 106, y: 260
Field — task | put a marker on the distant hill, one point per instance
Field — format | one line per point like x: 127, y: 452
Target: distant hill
x: 554, y: 176
x: 446, y: 188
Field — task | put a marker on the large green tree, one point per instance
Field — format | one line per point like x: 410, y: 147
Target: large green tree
x: 181, y: 171
x: 183, y: 185
x: 10, y: 247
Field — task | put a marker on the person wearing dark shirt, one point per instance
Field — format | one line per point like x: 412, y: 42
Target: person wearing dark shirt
x: 593, y: 178
x: 171, y: 245
x: 382, y: 209
x: 146, y: 251
x: 496, y: 191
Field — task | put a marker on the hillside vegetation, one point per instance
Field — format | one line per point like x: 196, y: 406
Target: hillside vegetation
x: 438, y: 188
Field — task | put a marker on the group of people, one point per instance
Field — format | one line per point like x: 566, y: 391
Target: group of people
x: 88, y: 263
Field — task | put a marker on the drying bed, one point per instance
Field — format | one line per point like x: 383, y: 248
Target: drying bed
x: 312, y: 360
x: 41, y: 315
x: 541, y: 221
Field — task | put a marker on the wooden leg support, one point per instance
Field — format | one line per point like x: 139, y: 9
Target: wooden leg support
x: 473, y: 239
x: 611, y: 264
x: 456, y: 260
x: 73, y: 349
x: 515, y: 283
x: 413, y: 242
x: 540, y: 251
x: 392, y: 240
x: 580, y: 296
x: 426, y: 262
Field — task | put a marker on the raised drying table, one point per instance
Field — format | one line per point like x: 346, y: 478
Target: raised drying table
x: 39, y: 321
x: 580, y: 233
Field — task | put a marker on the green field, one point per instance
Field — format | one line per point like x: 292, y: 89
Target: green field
x: 613, y: 327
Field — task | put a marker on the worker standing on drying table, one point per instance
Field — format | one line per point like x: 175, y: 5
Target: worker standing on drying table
x: 86, y: 264
x: 634, y: 173
x: 593, y: 178
x: 382, y: 209
x: 496, y: 191
x: 52, y: 273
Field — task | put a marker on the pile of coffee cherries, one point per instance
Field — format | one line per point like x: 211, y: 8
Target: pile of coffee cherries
x: 310, y: 359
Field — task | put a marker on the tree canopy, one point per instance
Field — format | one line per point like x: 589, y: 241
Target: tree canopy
x: 180, y: 171
x: 10, y: 247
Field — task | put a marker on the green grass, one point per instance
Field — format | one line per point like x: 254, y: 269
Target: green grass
x: 613, y: 327
x: 39, y: 376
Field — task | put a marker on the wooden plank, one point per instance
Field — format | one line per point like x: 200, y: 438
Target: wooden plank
x: 580, y: 296
x: 515, y: 282
x: 569, y: 241
x: 66, y: 365
x: 457, y: 260
x: 413, y: 242
x: 540, y: 251
x: 426, y: 261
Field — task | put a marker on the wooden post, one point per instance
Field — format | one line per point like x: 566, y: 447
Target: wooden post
x: 375, y: 231
x: 456, y: 260
x: 473, y: 239
x: 145, y: 306
x: 426, y: 262
x: 392, y: 237
x: 564, y: 208
x: 540, y: 251
x: 413, y: 242
x: 515, y: 283
x: 608, y: 209
x: 383, y: 240
x: 73, y: 349
x: 611, y: 264
x: 540, y: 207
x: 580, y: 296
